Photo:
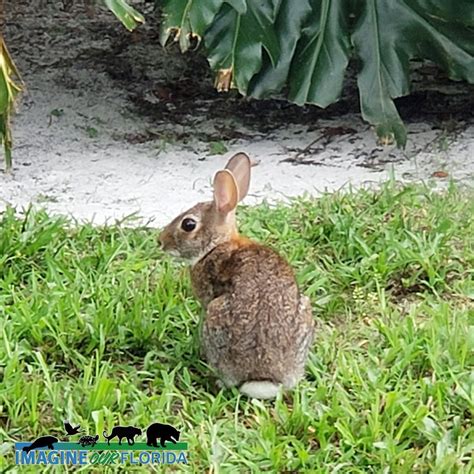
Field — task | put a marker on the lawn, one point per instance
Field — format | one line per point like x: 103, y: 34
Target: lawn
x: 99, y: 327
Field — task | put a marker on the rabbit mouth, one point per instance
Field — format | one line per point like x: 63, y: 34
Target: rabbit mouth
x: 184, y: 259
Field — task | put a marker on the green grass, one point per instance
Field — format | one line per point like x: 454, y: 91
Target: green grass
x: 99, y: 327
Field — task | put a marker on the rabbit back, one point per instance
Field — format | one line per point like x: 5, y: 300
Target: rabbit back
x: 257, y: 326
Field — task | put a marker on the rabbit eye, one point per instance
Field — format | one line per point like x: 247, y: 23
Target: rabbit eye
x: 188, y: 224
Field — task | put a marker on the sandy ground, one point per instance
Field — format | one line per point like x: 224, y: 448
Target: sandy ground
x: 111, y: 124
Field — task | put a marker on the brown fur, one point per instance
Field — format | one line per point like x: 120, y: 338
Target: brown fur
x: 257, y: 326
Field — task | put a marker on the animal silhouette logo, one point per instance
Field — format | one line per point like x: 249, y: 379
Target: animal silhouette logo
x: 42, y: 442
x: 87, y: 449
x: 70, y: 430
x: 121, y: 432
x: 162, y: 432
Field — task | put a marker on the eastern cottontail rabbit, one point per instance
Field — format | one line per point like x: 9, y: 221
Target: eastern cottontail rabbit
x: 258, y: 328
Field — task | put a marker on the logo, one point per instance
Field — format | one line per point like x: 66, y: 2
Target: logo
x: 162, y: 446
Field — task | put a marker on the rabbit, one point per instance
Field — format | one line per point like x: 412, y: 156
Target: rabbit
x: 258, y: 327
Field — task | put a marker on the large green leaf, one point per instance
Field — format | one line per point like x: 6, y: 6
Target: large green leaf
x: 236, y: 39
x: 315, y: 50
x: 322, y: 55
x: 375, y: 80
x: 289, y: 25
x: 387, y: 35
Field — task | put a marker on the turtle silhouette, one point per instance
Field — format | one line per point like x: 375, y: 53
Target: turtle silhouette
x: 42, y: 442
x: 88, y: 440
x: 163, y: 432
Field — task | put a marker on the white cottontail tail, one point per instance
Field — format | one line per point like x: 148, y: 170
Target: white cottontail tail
x: 258, y: 327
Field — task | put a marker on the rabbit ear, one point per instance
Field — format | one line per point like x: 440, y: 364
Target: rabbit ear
x: 239, y: 165
x: 226, y: 194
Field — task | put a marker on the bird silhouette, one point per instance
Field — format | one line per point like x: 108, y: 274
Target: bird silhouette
x: 70, y: 430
